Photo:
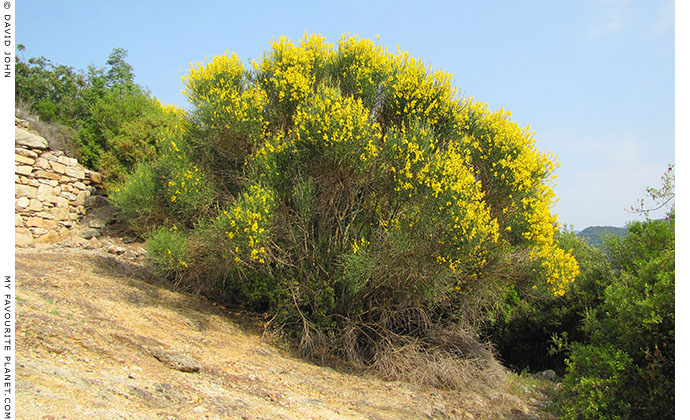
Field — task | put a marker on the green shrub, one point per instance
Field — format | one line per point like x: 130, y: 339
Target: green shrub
x: 595, y: 383
x: 138, y: 199
x: 351, y: 194
x: 170, y: 190
x: 168, y: 251
x: 636, y: 323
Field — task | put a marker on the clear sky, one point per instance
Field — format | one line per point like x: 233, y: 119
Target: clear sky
x: 593, y: 78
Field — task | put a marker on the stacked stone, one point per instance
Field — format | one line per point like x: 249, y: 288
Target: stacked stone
x: 51, y: 190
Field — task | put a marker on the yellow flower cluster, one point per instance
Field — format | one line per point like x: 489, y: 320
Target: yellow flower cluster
x: 450, y: 195
x: 516, y: 178
x: 247, y: 222
x: 185, y: 180
x: 422, y: 94
x: 361, y: 244
x: 289, y: 72
x: 330, y: 119
x: 211, y: 82
x: 220, y: 90
x: 361, y: 66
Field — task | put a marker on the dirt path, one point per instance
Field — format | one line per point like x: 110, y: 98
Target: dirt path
x: 97, y: 338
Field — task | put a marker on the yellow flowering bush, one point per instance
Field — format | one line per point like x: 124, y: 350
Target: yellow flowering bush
x: 355, y: 195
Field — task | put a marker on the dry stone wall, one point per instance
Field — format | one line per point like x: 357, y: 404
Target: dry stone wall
x: 52, y: 190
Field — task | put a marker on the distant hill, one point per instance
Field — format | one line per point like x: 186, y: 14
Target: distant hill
x: 595, y: 234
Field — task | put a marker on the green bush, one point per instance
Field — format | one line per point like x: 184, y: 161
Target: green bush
x: 625, y: 367
x: 139, y: 199
x: 596, y: 382
x: 351, y: 194
x: 168, y: 250
x: 170, y: 191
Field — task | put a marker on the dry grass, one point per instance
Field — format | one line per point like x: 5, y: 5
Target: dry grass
x: 451, y: 359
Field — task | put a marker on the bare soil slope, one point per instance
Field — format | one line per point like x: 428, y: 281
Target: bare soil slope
x: 99, y: 338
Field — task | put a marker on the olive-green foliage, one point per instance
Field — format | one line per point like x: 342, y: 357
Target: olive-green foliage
x: 625, y: 366
x: 122, y: 129
x: 117, y: 122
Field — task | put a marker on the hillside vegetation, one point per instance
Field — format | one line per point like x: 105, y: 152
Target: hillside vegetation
x: 378, y: 217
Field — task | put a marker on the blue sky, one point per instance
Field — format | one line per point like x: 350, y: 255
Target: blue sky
x: 593, y: 78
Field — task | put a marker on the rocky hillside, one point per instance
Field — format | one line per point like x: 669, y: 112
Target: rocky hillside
x: 98, y: 337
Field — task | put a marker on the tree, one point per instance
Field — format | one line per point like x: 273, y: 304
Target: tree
x: 120, y: 74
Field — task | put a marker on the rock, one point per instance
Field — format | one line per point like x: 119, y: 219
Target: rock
x: 23, y: 237
x: 93, y: 243
x: 49, y: 238
x: 63, y: 233
x: 48, y: 175
x: 41, y: 223
x: 75, y: 172
x: 77, y: 241
x: 30, y: 140
x: 67, y: 161
x: 18, y: 221
x: 42, y: 162
x: 69, y: 196
x: 35, y: 205
x: 49, y: 182
x: 25, y: 191
x: 44, y: 193
x: 90, y: 233
x: 97, y: 224
x: 21, y: 203
x: 96, y: 201
x: 550, y: 375
x: 66, y: 223
x: 51, y: 156
x: 24, y: 159
x: 23, y: 169
x: 81, y: 198
x: 114, y: 249
x: 95, y: 177
x: 60, y: 213
x: 25, y: 153
x: 58, y: 167
x: 45, y: 215
x: 176, y: 361
x: 62, y: 202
